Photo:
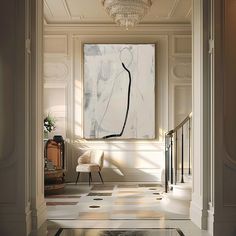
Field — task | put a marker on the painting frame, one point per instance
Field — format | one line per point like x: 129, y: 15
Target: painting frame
x: 115, y: 137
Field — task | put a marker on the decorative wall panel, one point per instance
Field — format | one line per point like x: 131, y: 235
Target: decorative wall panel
x: 180, y: 79
x: 183, y: 71
x: 7, y: 113
x: 182, y: 106
x: 56, y: 44
x: 229, y: 81
x: 126, y: 161
x: 55, y: 71
x: 182, y: 45
x: 55, y: 105
x: 8, y: 68
x: 137, y: 160
x: 229, y: 188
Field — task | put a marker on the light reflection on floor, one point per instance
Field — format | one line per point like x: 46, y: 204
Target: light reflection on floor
x: 117, y: 201
x: 52, y: 226
x: 120, y: 232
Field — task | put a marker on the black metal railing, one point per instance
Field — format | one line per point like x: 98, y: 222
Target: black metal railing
x: 174, y: 165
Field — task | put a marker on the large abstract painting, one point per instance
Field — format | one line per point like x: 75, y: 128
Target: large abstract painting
x: 119, y: 91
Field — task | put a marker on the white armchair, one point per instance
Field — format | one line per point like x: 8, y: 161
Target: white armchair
x: 90, y: 161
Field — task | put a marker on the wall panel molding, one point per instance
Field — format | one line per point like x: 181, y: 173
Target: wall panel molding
x: 114, y: 29
x: 8, y: 85
x: 229, y: 83
x: 120, y: 151
x: 125, y: 151
x: 182, y: 71
x: 56, y: 44
x: 55, y: 71
x: 121, y: 145
x: 181, y: 45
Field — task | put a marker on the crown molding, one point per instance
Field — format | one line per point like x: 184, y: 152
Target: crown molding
x: 115, y: 29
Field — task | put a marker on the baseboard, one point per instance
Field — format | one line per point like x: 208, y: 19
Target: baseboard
x: 198, y: 215
x: 39, y: 216
x: 210, y: 220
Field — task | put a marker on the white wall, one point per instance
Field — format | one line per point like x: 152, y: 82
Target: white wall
x: 124, y: 160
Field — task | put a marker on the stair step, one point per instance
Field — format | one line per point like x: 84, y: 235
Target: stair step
x: 182, y: 191
x: 182, y: 185
x: 172, y: 203
x: 178, y: 197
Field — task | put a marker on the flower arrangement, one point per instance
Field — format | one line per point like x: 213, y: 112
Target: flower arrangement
x: 49, y: 124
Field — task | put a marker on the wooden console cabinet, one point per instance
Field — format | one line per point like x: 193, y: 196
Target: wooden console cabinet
x: 54, y: 181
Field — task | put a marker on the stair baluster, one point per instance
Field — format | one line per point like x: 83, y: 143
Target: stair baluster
x: 171, y: 156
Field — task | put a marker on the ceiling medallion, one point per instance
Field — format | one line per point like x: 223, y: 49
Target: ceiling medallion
x: 127, y: 12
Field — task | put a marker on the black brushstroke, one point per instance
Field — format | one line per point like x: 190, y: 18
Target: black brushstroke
x: 127, y: 108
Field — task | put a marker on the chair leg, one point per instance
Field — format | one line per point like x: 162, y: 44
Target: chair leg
x: 77, y: 178
x: 100, y: 176
x: 90, y: 178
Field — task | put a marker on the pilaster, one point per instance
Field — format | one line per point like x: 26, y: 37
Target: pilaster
x: 200, y: 142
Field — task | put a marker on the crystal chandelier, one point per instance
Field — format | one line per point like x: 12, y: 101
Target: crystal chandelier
x: 127, y: 12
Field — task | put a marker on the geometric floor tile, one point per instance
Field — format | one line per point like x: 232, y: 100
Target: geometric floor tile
x: 109, y: 202
x: 99, y: 194
x: 102, y: 188
x: 61, y: 203
x: 62, y: 196
x: 127, y: 186
x: 150, y: 185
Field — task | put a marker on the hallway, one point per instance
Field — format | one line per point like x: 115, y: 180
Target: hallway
x: 113, y: 201
x: 133, y: 204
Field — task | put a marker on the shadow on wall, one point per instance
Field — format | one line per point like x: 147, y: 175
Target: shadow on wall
x: 120, y: 164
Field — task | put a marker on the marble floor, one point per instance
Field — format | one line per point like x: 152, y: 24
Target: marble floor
x: 121, y: 232
x: 111, y: 201
x: 130, y: 200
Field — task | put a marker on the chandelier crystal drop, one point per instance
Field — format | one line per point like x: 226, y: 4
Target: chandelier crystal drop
x: 127, y: 12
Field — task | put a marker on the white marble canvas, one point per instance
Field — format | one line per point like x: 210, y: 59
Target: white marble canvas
x: 119, y: 91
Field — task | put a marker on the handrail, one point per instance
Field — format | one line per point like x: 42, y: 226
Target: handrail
x: 171, y: 157
x: 187, y: 118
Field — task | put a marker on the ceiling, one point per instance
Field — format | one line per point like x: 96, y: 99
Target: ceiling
x: 92, y: 11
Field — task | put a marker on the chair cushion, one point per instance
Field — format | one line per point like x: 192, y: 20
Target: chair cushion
x: 85, y: 158
x: 97, y: 157
x: 88, y: 168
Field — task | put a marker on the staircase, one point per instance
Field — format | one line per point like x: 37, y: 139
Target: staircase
x: 178, y: 168
x: 178, y: 200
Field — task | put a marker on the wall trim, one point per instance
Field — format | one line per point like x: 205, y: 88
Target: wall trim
x: 114, y: 29
x: 198, y: 215
x: 210, y: 219
x: 93, y: 33
x: 36, y: 167
x: 201, y: 117
x: 180, y: 54
x: 39, y: 215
